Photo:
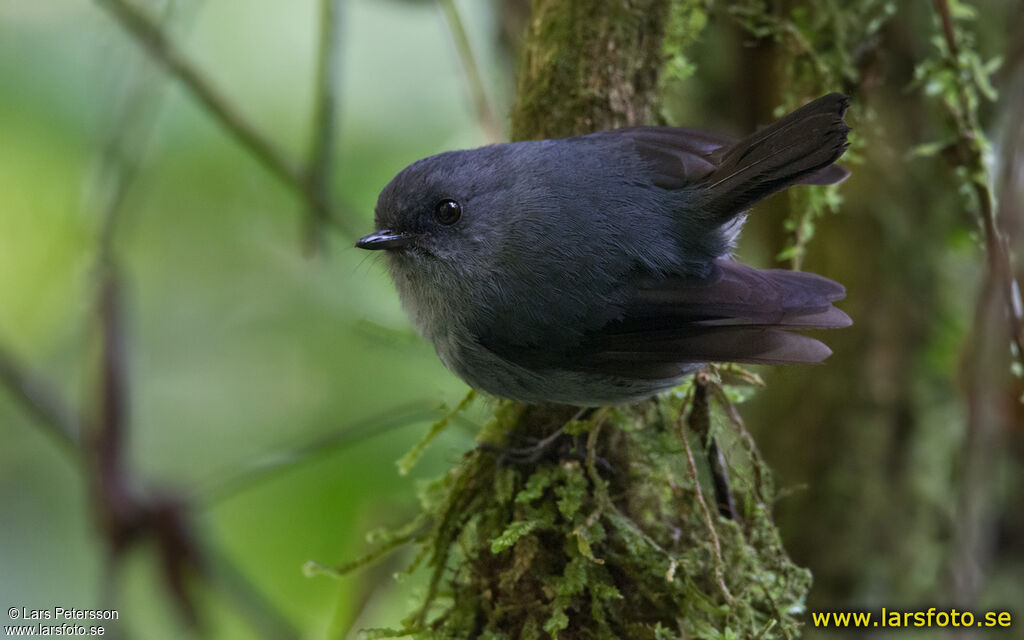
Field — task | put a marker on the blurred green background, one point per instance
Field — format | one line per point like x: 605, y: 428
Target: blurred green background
x: 243, y: 350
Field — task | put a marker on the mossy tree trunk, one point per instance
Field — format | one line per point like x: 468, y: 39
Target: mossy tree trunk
x: 588, y: 65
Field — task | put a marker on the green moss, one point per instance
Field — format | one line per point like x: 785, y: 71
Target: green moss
x: 686, y: 22
x: 608, y: 535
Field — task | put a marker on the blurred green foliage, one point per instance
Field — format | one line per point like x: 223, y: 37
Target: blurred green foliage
x: 241, y: 349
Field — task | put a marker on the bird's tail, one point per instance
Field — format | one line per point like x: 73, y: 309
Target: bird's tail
x: 798, y: 148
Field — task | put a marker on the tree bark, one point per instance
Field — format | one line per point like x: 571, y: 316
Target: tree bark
x: 588, y: 65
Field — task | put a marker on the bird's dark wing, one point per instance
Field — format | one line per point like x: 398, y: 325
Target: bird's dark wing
x: 796, y: 149
x: 737, y: 314
x: 675, y: 156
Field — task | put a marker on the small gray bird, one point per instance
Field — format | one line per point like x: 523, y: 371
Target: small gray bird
x: 596, y: 270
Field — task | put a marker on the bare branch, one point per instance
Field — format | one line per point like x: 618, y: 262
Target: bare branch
x: 259, y: 612
x: 700, y: 423
x: 999, y: 296
x: 152, y: 37
x: 290, y: 458
x: 942, y: 7
x: 325, y: 124
x: 111, y: 424
x: 1010, y: 209
x: 969, y: 155
x: 309, y: 183
x: 484, y: 112
x: 695, y: 478
x: 131, y: 128
x: 40, y: 400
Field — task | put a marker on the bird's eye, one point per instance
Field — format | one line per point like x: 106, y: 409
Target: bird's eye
x: 448, y: 211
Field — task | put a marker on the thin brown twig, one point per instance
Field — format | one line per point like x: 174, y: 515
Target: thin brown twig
x: 325, y: 124
x: 39, y: 399
x: 946, y: 17
x: 151, y: 36
x: 981, y: 389
x: 1000, y: 266
x: 148, y: 33
x: 258, y: 471
x: 131, y: 128
x: 736, y: 420
x: 998, y: 251
x: 999, y: 292
x: 986, y: 417
x: 597, y: 421
x: 481, y: 104
x: 708, y: 520
x: 127, y: 516
x: 1009, y: 209
x: 110, y: 423
x: 263, y: 616
x: 700, y: 421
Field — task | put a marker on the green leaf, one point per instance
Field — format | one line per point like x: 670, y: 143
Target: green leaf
x: 929, y: 149
x: 572, y: 491
x: 535, y: 486
x: 605, y: 591
x: 516, y: 530
x: 982, y: 76
x: 558, y: 620
x: 574, y: 578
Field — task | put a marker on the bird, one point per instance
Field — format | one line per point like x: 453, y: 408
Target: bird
x: 598, y: 269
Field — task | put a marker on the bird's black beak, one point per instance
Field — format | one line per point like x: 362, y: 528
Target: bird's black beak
x: 385, y: 239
